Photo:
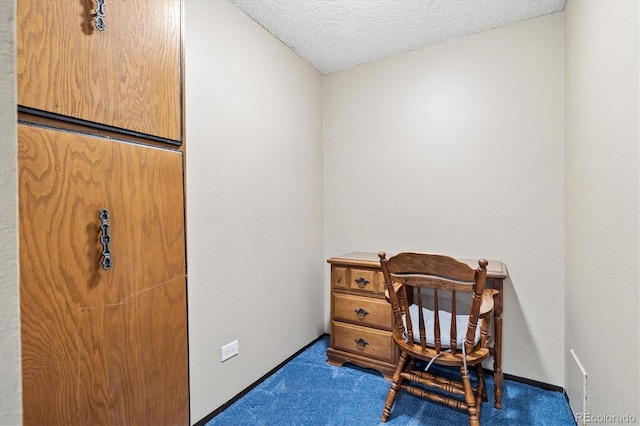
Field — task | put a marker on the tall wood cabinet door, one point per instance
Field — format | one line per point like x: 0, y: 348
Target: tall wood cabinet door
x: 127, y: 76
x: 101, y: 346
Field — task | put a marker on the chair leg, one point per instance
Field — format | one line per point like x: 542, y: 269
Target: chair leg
x: 396, y: 382
x: 469, y: 398
x: 482, y: 388
x: 481, y: 393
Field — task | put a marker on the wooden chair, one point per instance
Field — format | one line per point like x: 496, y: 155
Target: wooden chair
x: 419, y: 284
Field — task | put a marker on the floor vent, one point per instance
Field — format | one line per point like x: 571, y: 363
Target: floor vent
x: 577, y: 388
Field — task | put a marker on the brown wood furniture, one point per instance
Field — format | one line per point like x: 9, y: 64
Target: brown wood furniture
x: 102, y: 296
x: 362, y: 321
x: 424, y: 291
x: 127, y: 76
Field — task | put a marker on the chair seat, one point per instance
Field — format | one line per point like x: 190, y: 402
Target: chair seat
x: 445, y: 326
x: 478, y: 354
x: 445, y: 323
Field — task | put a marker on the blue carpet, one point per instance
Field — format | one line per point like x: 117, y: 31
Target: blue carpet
x: 308, y: 391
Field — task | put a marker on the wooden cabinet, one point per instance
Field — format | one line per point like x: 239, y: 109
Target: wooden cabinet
x: 361, y: 317
x: 100, y: 128
x: 126, y: 77
x: 101, y: 346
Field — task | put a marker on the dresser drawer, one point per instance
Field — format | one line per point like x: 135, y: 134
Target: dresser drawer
x: 364, y: 341
x: 339, y: 277
x: 366, y: 280
x: 364, y: 311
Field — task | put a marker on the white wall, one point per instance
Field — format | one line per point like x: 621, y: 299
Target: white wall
x: 10, y: 366
x: 254, y: 201
x: 458, y: 149
x: 602, y: 138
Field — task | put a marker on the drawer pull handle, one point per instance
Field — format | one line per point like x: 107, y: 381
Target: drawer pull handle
x: 361, y: 313
x: 105, y: 239
x: 99, y: 19
x: 339, y: 278
x: 361, y: 342
x: 362, y: 282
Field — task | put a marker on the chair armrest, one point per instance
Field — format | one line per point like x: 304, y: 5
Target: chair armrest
x: 486, y: 306
x: 396, y: 288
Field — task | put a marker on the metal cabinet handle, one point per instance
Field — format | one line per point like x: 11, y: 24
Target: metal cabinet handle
x: 99, y: 20
x: 105, y: 239
x: 362, y: 282
x: 361, y: 342
x: 361, y: 313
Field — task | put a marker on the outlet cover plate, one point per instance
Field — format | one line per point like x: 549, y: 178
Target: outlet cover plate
x: 229, y: 350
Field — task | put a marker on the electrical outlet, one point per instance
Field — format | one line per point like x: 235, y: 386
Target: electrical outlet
x: 229, y: 350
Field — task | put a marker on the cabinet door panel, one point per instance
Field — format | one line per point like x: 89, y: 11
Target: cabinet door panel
x: 127, y: 76
x: 132, y: 359
x: 98, y: 344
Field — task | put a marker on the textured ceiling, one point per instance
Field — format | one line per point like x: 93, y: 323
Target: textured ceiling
x: 338, y: 34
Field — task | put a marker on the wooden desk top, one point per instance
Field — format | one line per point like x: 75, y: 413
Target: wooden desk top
x: 496, y: 269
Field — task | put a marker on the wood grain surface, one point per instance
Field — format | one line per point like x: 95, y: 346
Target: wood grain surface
x: 98, y: 346
x: 127, y: 76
